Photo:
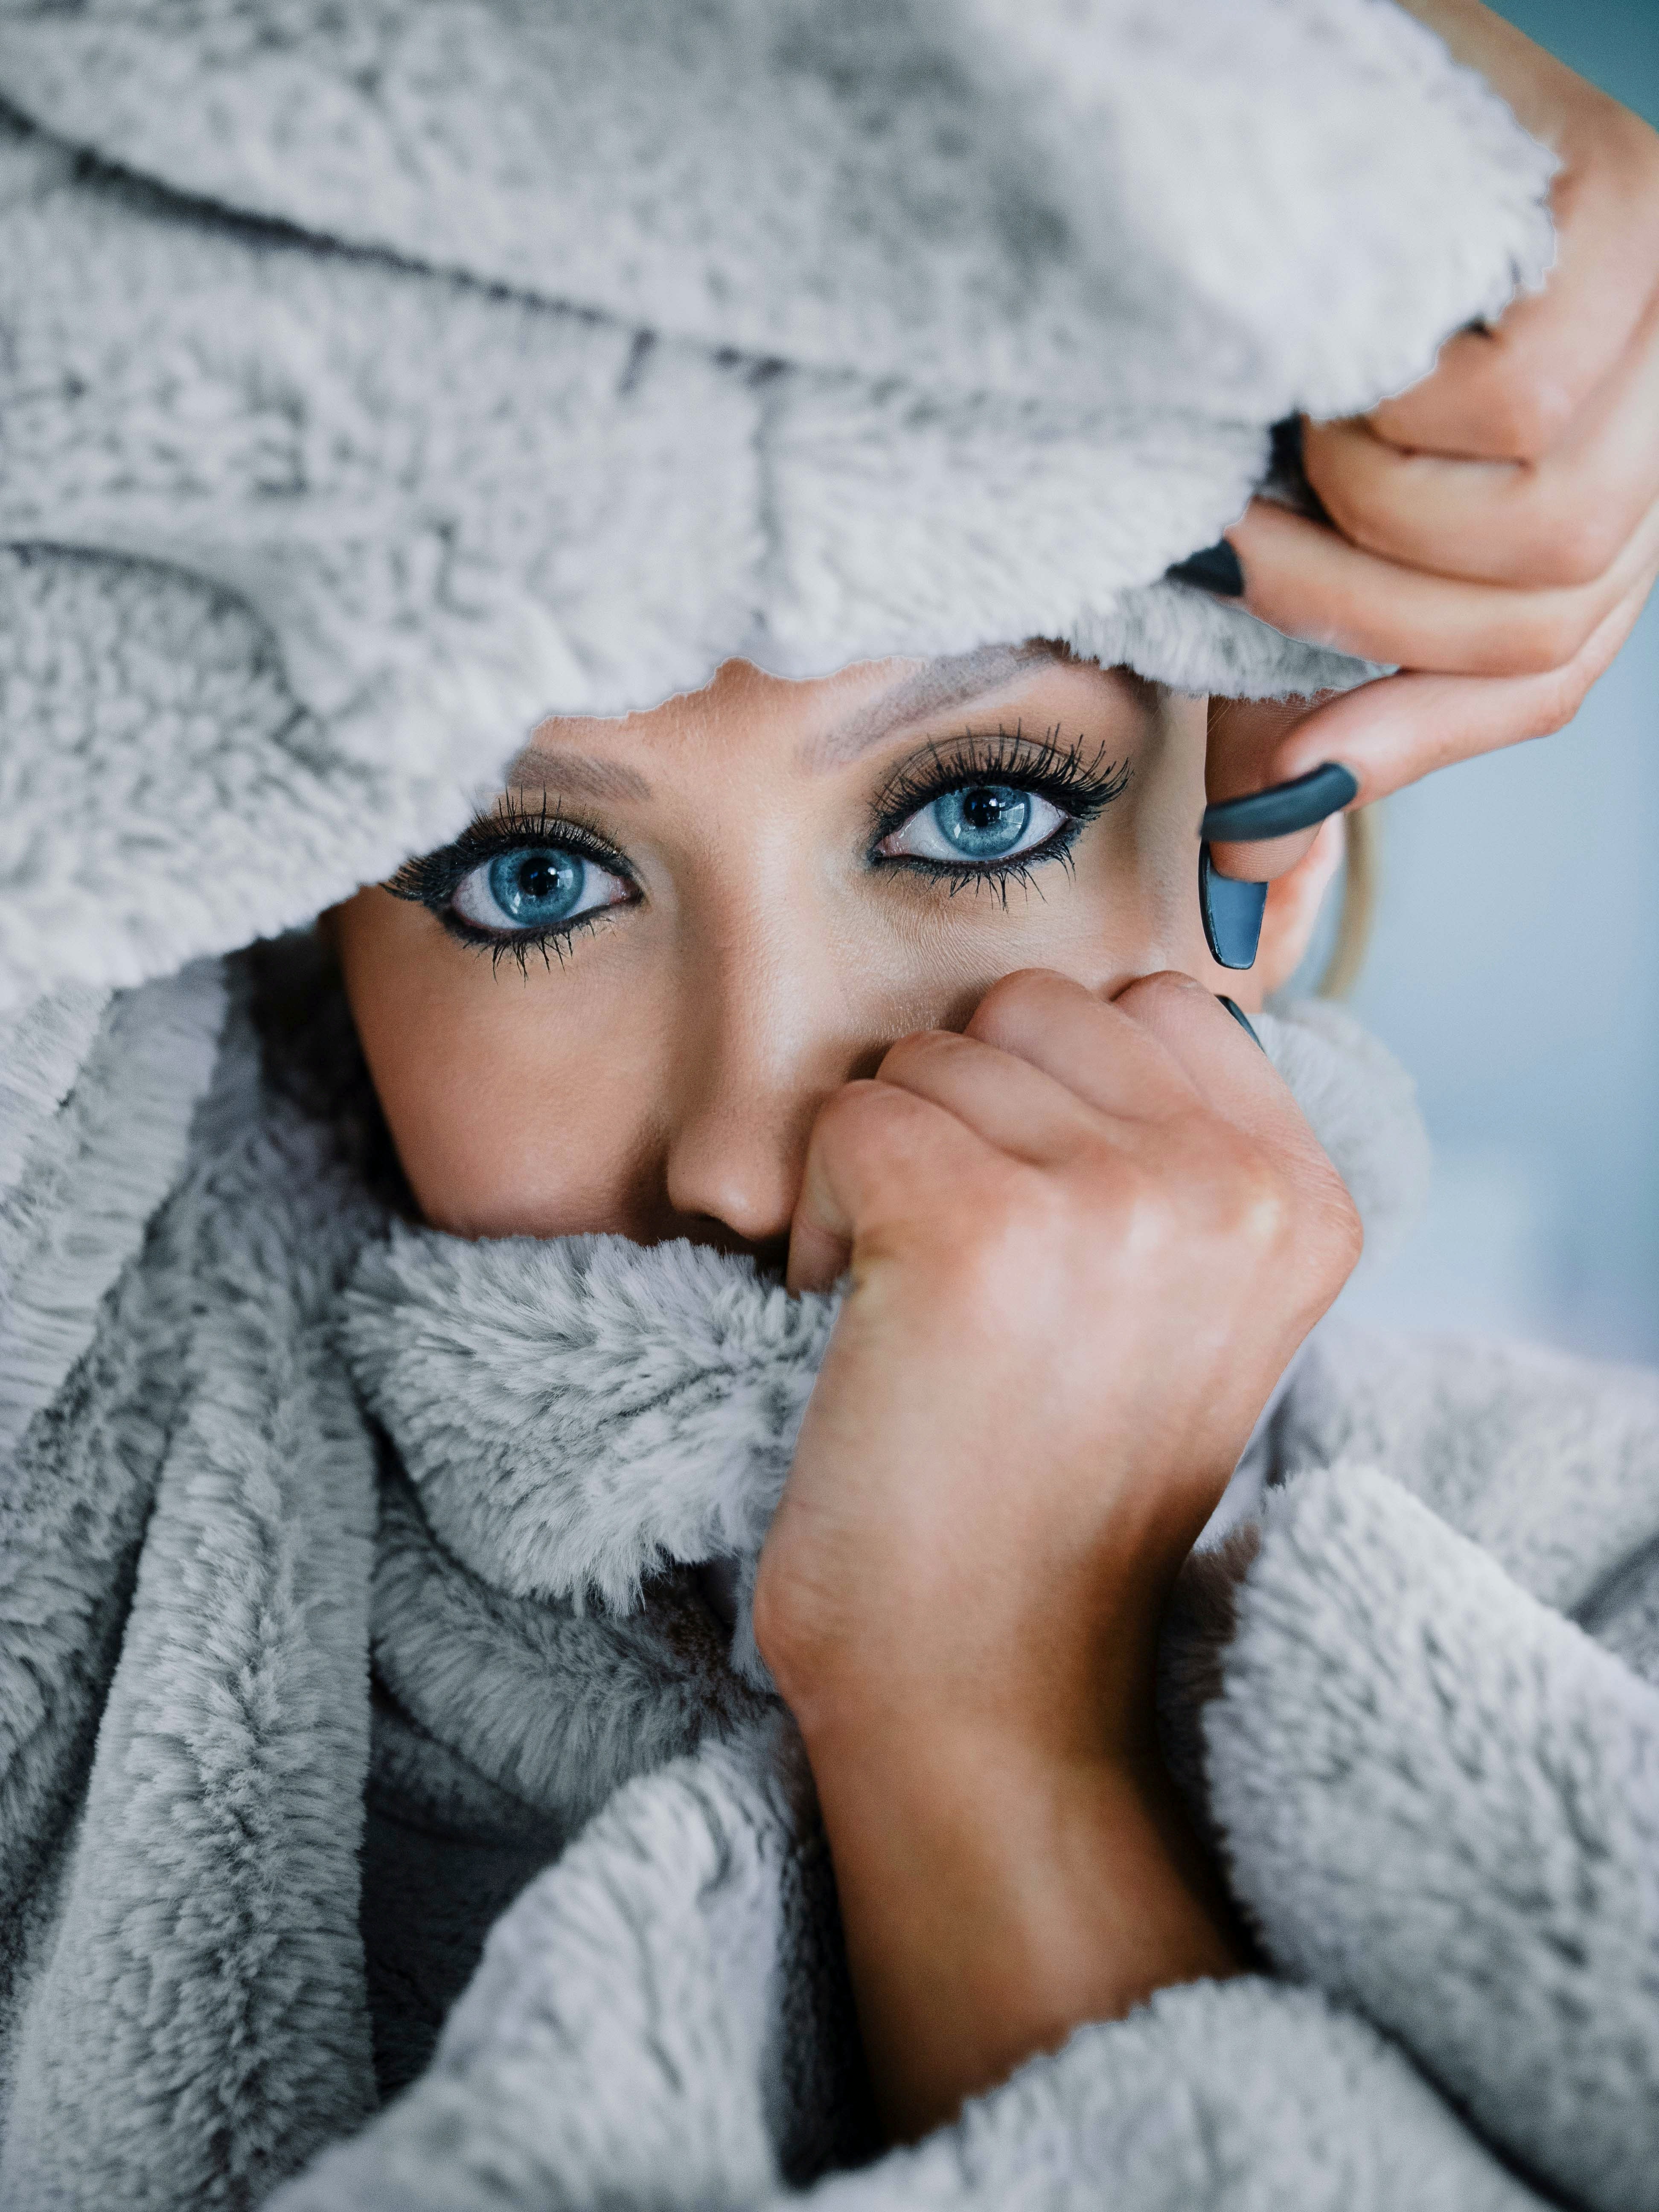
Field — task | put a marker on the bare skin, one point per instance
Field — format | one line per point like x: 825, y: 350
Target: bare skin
x: 960, y: 1596
x: 659, y: 1074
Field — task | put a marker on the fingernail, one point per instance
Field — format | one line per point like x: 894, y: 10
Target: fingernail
x: 1232, y: 915
x: 1242, y: 1019
x: 1283, y: 807
x: 1218, y: 568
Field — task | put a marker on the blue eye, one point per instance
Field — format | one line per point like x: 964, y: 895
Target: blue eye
x: 978, y: 822
x: 534, y: 888
x: 985, y: 822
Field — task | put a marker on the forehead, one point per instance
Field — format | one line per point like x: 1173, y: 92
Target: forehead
x: 819, y: 724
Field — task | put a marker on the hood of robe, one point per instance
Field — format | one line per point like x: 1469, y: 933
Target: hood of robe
x: 376, y: 379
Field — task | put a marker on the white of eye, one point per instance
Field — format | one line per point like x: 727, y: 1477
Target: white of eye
x: 940, y: 831
x: 533, y: 888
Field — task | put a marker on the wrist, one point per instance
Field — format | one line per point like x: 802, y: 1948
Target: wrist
x: 994, y: 1895
x: 1065, y: 1682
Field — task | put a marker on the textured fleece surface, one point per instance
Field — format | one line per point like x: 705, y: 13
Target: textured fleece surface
x: 1444, y: 1810
x: 1549, y: 1463
x: 85, y: 1189
x: 186, y: 1571
x: 658, y: 1954
x: 473, y: 1666
x: 579, y: 1415
x: 378, y: 378
x: 1434, y: 1794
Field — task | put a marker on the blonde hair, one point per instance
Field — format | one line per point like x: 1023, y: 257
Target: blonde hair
x: 1360, y: 867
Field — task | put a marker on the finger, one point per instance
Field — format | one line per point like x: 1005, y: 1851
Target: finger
x: 1513, y: 392
x: 1234, y: 1077
x: 1560, y: 521
x: 1054, y: 1024
x: 1392, y: 732
x: 1308, y: 582
x: 1247, y: 1091
x: 1007, y: 1101
x: 876, y: 1162
x: 1246, y: 737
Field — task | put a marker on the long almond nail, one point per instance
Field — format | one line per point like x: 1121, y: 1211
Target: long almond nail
x: 1283, y: 808
x: 1232, y: 914
x: 1218, y: 568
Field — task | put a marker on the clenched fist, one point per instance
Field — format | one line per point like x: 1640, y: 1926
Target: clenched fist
x: 1084, y: 1240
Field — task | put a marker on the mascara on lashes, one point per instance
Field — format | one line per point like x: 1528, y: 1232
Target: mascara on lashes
x: 1079, y: 782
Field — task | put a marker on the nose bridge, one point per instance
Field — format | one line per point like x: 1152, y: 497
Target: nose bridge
x: 765, y: 1033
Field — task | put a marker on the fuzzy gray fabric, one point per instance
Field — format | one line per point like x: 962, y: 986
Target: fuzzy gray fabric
x: 380, y: 377
x: 1432, y: 1791
x: 393, y: 1813
x: 580, y: 1415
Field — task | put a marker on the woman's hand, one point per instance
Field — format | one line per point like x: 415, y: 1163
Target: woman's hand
x: 1500, y: 523
x: 1084, y: 1240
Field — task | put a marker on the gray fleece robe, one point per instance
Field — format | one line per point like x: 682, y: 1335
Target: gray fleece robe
x: 394, y: 1812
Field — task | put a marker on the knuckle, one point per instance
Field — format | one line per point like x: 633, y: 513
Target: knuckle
x: 1527, y: 414
x: 1168, y: 987
x: 1000, y: 1246
x: 1156, y: 1002
x: 915, y: 1051
x: 1560, y: 695
x: 1338, y: 1231
x: 1176, y: 1198
x: 1254, y: 1205
x: 1009, y: 1003
x: 857, y: 1117
x: 1575, y: 546
x: 1554, y: 638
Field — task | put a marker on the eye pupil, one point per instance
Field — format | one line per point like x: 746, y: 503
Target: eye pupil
x: 539, y: 886
x: 984, y: 820
x: 983, y: 810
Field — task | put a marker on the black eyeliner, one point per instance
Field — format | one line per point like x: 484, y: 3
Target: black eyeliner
x: 1079, y: 782
x: 432, y: 879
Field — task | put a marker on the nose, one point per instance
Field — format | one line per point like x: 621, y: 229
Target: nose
x: 758, y: 1056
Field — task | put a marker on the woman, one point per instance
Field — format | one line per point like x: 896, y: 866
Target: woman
x: 725, y: 902
x: 907, y: 972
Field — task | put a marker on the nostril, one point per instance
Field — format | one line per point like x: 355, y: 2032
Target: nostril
x: 769, y: 1253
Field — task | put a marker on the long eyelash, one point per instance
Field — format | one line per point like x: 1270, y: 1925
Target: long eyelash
x: 431, y: 879
x: 1080, y: 781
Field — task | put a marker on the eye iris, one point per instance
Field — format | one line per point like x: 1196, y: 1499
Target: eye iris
x: 984, y: 821
x: 540, y: 886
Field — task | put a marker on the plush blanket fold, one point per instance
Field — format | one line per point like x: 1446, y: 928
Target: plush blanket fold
x: 379, y: 378
x: 394, y: 1811
x: 1432, y: 1790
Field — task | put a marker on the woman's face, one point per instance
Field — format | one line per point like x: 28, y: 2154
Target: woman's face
x: 619, y: 1000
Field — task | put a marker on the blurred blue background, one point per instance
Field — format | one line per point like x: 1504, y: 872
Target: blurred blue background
x: 1513, y: 967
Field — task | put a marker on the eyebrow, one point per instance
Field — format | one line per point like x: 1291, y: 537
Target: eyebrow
x: 936, y: 688
x: 579, y: 776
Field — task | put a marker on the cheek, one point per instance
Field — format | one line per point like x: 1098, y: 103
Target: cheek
x: 513, y: 1112
x: 1129, y: 908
